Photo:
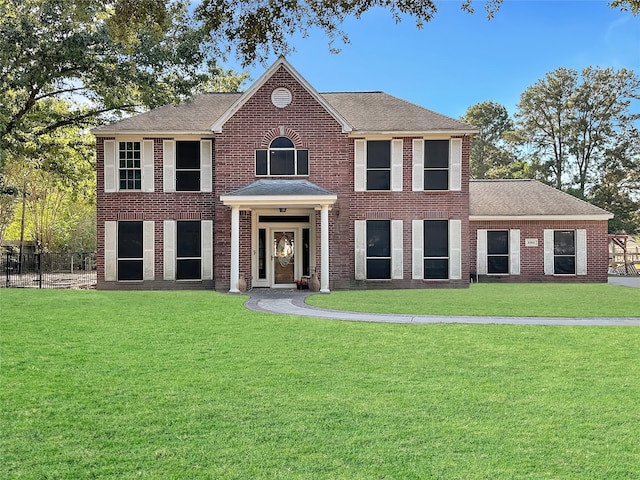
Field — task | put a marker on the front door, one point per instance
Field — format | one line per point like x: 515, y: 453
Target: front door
x: 283, y: 257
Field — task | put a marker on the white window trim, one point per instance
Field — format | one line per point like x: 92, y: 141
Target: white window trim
x: 206, y: 166
x: 397, y: 264
x: 169, y: 257
x: 454, y: 168
x: 147, y: 165
x: 397, y: 146
x: 454, y: 253
x: 580, y: 238
x: 110, y: 167
x: 142, y: 166
x: 417, y: 153
x: 169, y: 166
x: 455, y: 164
x: 359, y: 173
x: 148, y: 250
x: 513, y: 253
x: 395, y: 168
x: 206, y: 247
x: 110, y: 251
x: 417, y: 235
x: 360, y: 241
x: 295, y: 162
x: 455, y: 249
x: 396, y: 247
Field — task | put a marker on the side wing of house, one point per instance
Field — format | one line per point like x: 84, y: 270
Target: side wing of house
x: 524, y: 231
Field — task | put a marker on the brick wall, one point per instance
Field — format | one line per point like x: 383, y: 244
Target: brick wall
x: 532, y: 258
x: 157, y: 206
x: 331, y: 156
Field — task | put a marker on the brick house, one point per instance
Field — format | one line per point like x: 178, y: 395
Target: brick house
x: 365, y: 190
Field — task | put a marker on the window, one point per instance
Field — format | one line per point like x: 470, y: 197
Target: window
x: 130, y: 250
x: 436, y: 164
x: 378, y: 165
x: 188, y: 166
x: 564, y: 252
x: 436, y: 249
x: 282, y: 159
x: 130, y: 172
x: 498, y: 251
x: 378, y: 251
x: 189, y: 250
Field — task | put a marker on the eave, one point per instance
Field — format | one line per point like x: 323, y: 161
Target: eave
x: 410, y: 133
x: 288, y: 201
x: 150, y: 133
x: 494, y: 218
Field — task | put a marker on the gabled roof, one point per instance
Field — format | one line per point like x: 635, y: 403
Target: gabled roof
x: 357, y: 112
x: 379, y: 112
x: 527, y: 200
x: 289, y: 193
x: 280, y: 187
x: 194, y: 116
x: 280, y: 63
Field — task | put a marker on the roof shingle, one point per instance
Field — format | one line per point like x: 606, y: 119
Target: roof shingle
x: 526, y: 198
x: 365, y: 112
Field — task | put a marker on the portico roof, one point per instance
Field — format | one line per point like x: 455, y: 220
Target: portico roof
x: 289, y: 193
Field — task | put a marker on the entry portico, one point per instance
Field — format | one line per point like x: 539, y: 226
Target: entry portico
x: 283, y: 229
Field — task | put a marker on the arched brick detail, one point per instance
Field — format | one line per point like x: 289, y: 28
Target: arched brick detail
x: 281, y: 131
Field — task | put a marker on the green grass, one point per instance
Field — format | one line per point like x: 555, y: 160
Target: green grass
x: 513, y: 300
x: 173, y: 385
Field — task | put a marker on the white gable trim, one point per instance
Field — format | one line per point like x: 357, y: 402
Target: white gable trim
x: 281, y: 62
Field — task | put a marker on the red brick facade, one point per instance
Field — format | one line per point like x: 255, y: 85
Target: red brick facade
x: 532, y: 257
x: 331, y: 166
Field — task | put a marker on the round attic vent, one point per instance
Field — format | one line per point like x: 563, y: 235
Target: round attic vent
x: 281, y: 97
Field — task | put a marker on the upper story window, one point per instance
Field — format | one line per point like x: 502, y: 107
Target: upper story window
x: 436, y: 164
x: 187, y: 166
x: 130, y: 171
x: 378, y: 165
x: 282, y: 158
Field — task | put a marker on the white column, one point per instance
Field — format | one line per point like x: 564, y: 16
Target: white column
x: 235, y: 250
x: 324, y: 249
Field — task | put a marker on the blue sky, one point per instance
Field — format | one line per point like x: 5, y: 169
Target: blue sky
x: 458, y: 60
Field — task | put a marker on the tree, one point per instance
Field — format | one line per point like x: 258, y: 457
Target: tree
x: 571, y: 121
x: 544, y: 117
x: 618, y: 187
x: 491, y: 154
x: 72, y: 50
x: 256, y: 28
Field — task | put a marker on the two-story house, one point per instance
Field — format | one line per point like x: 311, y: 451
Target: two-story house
x: 362, y: 189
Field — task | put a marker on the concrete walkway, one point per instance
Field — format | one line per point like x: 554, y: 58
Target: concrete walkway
x: 292, y: 302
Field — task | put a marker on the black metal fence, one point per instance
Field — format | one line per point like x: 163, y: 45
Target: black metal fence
x: 48, y: 270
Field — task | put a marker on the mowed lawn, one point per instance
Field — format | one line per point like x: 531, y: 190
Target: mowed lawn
x: 511, y: 300
x: 190, y: 385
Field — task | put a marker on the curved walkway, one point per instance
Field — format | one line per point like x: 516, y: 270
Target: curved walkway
x: 292, y: 302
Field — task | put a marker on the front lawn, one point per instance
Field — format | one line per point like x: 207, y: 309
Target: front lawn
x: 511, y: 300
x: 176, y: 385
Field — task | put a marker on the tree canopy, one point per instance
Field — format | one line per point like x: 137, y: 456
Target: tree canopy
x: 69, y: 50
x: 576, y: 131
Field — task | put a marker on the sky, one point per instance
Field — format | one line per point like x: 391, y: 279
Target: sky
x: 457, y: 60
